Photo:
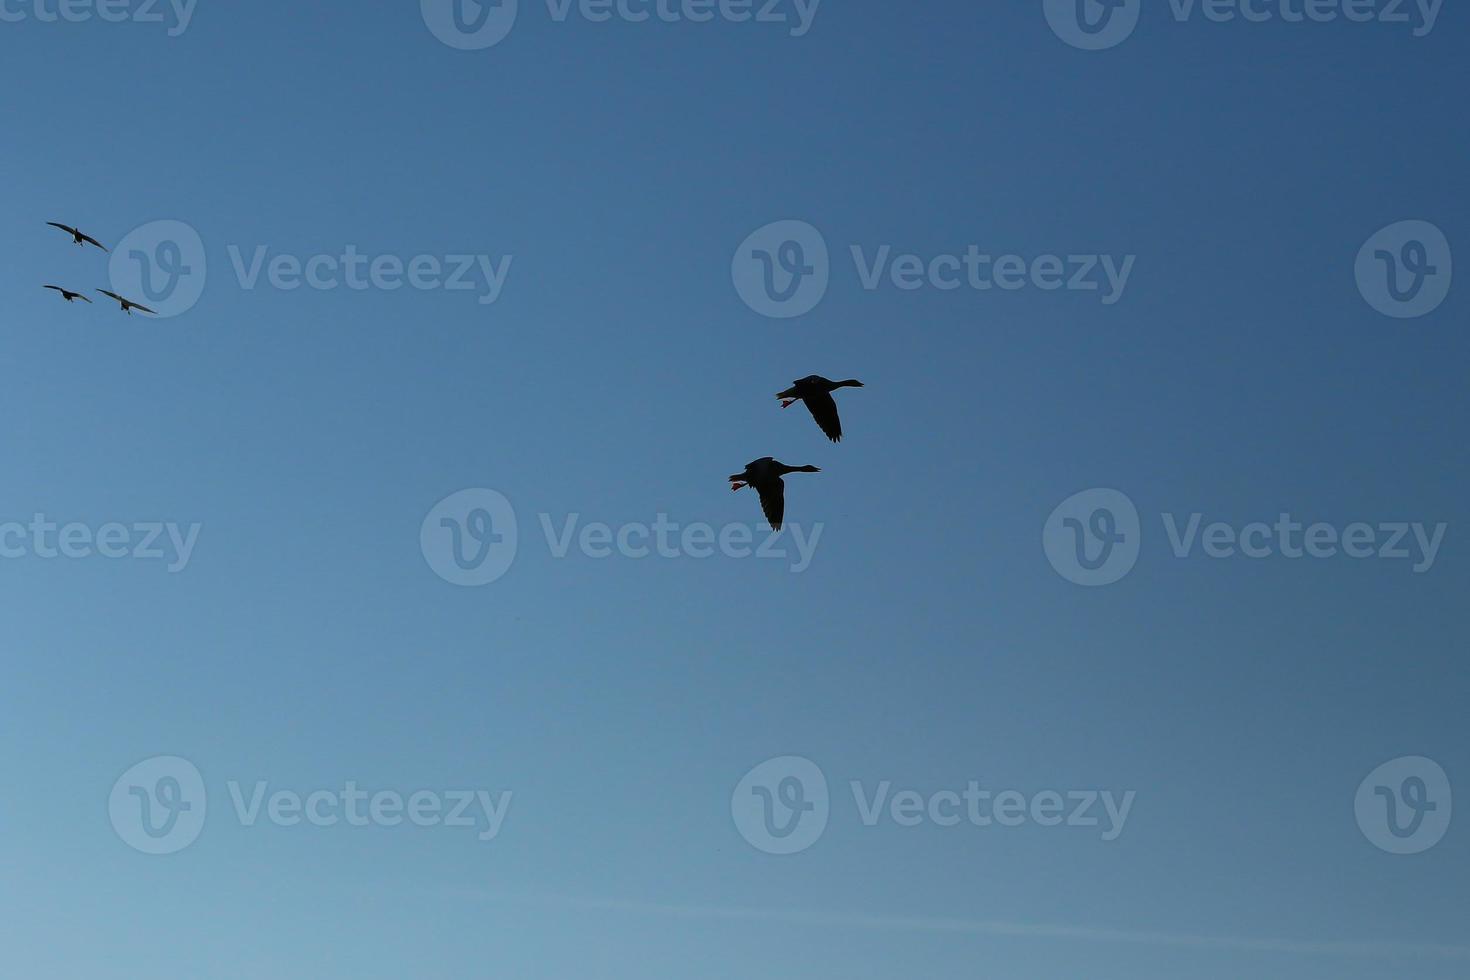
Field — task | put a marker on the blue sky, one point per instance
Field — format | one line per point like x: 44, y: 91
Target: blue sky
x: 311, y: 433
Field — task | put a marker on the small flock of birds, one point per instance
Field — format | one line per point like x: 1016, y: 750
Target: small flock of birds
x: 82, y: 239
x: 765, y: 474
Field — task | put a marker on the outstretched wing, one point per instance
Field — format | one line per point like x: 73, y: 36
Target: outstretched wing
x: 773, y: 501
x: 57, y: 288
x: 69, y: 231
x: 81, y: 297
x: 108, y: 292
x: 140, y: 306
x: 89, y: 238
x: 824, y: 410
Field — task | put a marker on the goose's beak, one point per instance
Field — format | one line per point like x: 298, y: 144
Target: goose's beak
x: 736, y: 485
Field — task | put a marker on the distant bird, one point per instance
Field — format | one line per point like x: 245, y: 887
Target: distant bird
x: 77, y: 236
x: 765, y: 475
x: 128, y: 306
x: 816, y: 391
x: 68, y: 295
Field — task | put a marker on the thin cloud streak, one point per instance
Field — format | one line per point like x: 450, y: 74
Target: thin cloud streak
x: 978, y: 927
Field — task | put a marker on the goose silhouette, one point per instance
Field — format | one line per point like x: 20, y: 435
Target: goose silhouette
x: 68, y: 295
x: 76, y: 236
x: 816, y: 391
x: 128, y: 306
x: 764, y: 475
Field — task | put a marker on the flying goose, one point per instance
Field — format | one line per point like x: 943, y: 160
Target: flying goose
x: 128, y: 306
x: 816, y: 391
x: 77, y: 236
x: 765, y: 475
x: 68, y: 295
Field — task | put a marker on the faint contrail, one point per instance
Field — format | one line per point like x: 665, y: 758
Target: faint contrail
x: 981, y: 927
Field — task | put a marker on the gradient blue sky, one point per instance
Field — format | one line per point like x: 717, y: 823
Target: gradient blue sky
x: 620, y: 376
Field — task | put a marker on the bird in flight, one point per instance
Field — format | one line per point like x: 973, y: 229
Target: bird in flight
x: 128, y: 306
x: 77, y: 236
x: 816, y: 391
x: 764, y: 475
x: 68, y: 295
